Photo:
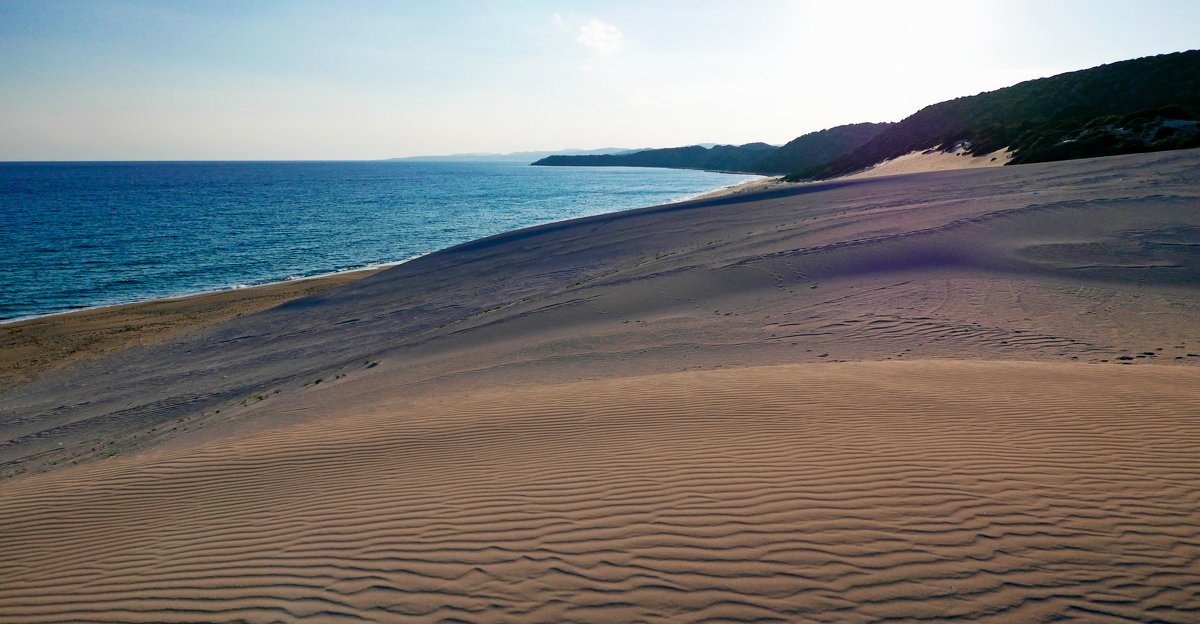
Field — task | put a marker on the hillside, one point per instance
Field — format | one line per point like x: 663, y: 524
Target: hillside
x: 819, y: 148
x: 810, y: 150
x: 740, y: 158
x: 1141, y: 105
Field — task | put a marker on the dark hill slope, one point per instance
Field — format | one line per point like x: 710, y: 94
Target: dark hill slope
x: 817, y: 149
x: 1131, y: 106
x: 811, y: 150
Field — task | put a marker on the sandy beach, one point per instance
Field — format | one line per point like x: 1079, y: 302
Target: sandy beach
x: 941, y: 396
x: 761, y: 184
x: 31, y: 347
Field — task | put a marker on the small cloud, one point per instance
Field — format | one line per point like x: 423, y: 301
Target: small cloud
x: 602, y: 38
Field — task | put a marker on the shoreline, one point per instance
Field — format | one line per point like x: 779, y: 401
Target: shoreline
x: 717, y: 192
x: 62, y: 338
x: 4, y: 322
x: 33, y: 345
x: 759, y: 184
x: 30, y: 347
x: 199, y: 293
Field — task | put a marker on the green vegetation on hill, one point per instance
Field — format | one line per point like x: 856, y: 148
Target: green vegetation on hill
x: 813, y: 149
x: 1141, y: 105
x: 740, y: 158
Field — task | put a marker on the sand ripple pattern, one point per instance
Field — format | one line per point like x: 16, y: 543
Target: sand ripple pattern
x: 856, y: 492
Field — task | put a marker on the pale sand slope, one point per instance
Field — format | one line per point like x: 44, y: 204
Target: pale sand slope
x: 853, y: 492
x: 1087, y: 261
x: 29, y: 348
x: 913, y: 162
x: 932, y: 160
x: 502, y: 433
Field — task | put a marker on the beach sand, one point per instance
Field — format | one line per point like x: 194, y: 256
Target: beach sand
x: 933, y: 397
x: 759, y: 184
x: 31, y: 347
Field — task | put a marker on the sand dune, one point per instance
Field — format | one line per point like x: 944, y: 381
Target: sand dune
x: 954, y: 395
x: 915, y: 162
x: 1092, y: 260
x: 855, y: 492
x: 932, y: 160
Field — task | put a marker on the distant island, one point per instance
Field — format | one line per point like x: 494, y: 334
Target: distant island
x: 1141, y: 105
x: 515, y: 157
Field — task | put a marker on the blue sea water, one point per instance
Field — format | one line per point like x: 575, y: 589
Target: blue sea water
x: 80, y: 235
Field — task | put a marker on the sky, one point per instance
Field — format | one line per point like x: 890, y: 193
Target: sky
x: 360, y: 79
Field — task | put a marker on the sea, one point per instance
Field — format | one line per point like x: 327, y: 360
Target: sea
x: 84, y: 235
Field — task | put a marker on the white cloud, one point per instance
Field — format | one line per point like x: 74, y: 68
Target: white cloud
x: 602, y: 38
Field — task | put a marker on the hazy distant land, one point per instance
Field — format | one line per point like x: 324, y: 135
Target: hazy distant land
x: 519, y: 157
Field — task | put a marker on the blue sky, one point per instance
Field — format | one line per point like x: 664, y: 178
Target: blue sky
x: 135, y: 80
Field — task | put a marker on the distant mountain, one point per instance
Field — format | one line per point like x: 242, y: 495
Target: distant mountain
x: 517, y: 157
x: 815, y: 148
x: 1140, y: 105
